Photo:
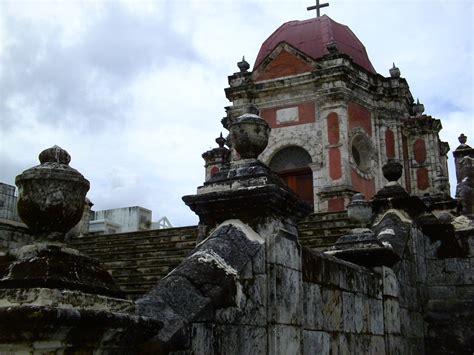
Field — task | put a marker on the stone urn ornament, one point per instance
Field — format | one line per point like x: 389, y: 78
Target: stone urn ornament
x: 249, y: 135
x: 51, y: 195
x: 359, y: 210
x: 392, y: 170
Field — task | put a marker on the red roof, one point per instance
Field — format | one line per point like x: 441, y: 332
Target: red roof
x: 312, y: 36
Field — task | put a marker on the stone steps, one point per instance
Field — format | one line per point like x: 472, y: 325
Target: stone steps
x: 154, y: 236
x: 157, y: 249
x: 138, y: 260
x: 321, y: 230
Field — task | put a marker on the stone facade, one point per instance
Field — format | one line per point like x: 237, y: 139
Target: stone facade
x: 349, y: 119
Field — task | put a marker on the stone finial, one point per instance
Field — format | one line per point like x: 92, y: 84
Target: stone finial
x: 249, y: 135
x: 332, y: 47
x: 243, y: 65
x: 394, y: 72
x: 462, y: 138
x: 392, y: 170
x: 54, y: 154
x: 418, y: 108
x: 359, y: 210
x: 51, y: 195
x: 220, y: 141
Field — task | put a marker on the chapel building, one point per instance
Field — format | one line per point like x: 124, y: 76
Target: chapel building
x: 335, y: 121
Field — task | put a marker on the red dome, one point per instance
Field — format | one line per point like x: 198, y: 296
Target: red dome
x: 312, y: 36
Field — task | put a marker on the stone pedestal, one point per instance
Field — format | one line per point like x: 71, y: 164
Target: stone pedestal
x: 52, y: 298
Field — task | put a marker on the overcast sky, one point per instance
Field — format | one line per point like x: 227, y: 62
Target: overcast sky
x: 134, y: 91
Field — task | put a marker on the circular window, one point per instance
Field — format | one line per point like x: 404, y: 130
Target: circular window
x: 362, y: 152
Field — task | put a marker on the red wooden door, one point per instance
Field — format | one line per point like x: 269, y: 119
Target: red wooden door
x: 301, y: 182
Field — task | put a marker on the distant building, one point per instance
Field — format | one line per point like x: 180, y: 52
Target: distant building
x: 120, y: 220
x: 8, y: 201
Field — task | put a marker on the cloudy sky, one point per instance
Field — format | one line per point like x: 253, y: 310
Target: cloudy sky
x: 133, y: 90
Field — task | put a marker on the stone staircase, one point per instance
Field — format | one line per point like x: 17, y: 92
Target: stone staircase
x: 138, y: 260
x: 319, y: 231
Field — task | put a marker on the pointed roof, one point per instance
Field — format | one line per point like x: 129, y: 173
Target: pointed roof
x: 312, y: 36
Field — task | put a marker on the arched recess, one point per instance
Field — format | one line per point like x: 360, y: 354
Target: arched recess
x: 292, y: 165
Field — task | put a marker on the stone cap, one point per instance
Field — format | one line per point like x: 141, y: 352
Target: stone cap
x: 250, y: 192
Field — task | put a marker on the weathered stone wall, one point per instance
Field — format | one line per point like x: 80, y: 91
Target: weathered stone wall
x: 292, y: 300
x: 450, y: 298
x: 343, y: 307
x: 403, y: 297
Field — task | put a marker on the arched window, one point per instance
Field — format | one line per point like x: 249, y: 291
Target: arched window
x: 291, y: 164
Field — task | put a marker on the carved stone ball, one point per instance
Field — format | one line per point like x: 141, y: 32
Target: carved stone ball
x: 392, y: 170
x: 249, y: 135
x: 51, y: 195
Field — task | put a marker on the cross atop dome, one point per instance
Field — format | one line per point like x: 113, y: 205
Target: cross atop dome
x: 317, y: 7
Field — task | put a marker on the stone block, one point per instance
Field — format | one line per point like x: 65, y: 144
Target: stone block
x: 312, y: 306
x: 377, y: 345
x: 284, y: 251
x: 395, y: 345
x: 315, y: 342
x: 259, y: 262
x: 348, y: 312
x: 376, y: 317
x: 407, y: 271
x: 435, y: 272
x: 406, y: 327
x: 330, y: 272
x: 202, y: 338
x: 369, y: 284
x: 250, y: 303
x: 247, y: 272
x: 470, y: 242
x: 340, y: 344
x: 419, y: 243
x: 282, y: 340
x: 458, y: 271
x: 332, y: 310
x: 358, y: 313
x: 239, y: 339
x: 362, y: 344
x: 411, y: 324
x: 421, y: 272
x: 465, y: 292
x: 285, y: 288
x: 417, y: 345
x: 391, y: 316
x: 347, y: 279
x: 366, y: 314
x: 431, y: 248
x: 408, y: 297
x: 390, y: 282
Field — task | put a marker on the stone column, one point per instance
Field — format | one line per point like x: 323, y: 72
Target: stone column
x: 248, y: 193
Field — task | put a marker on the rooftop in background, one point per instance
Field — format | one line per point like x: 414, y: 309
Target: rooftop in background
x: 312, y: 36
